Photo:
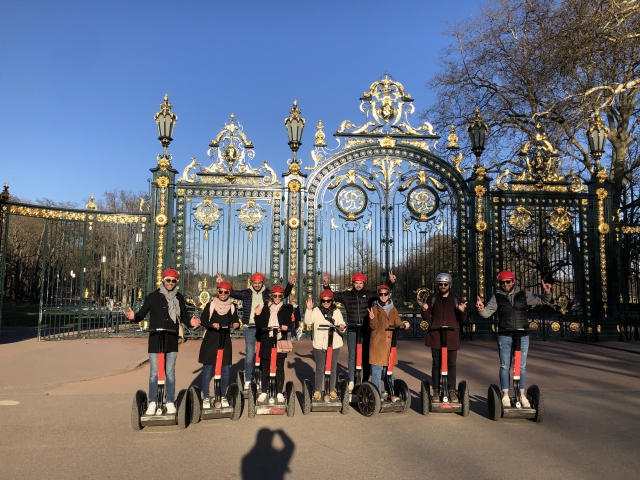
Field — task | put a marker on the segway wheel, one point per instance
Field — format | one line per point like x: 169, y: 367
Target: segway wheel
x: 343, y: 388
x: 234, y: 396
x: 240, y: 379
x: 368, y: 399
x: 306, y: 397
x: 425, y: 393
x: 291, y: 399
x: 183, y: 406
x: 463, y: 395
x: 495, y: 403
x: 137, y: 409
x: 402, y: 391
x: 535, y: 398
x: 251, y: 401
x: 196, y: 403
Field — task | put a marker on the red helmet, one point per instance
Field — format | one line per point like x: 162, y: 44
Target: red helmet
x: 277, y: 289
x: 359, y: 277
x: 170, y: 272
x: 383, y: 287
x: 326, y: 294
x: 225, y: 285
x: 506, y: 275
x: 257, y: 277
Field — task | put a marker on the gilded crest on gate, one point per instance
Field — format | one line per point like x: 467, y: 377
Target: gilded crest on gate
x: 207, y: 215
x: 560, y: 219
x: 521, y: 218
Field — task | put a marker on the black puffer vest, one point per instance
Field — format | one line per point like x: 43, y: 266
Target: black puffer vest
x: 512, y: 317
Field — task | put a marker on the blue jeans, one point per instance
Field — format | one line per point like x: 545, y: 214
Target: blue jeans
x: 169, y: 375
x: 250, y: 358
x: 506, y: 349
x: 377, y: 372
x: 207, y: 373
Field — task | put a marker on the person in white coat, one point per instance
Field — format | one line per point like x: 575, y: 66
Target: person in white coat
x: 326, y: 315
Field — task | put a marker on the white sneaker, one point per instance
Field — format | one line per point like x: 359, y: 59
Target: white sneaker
x: 151, y: 409
x: 262, y: 397
x: 506, y: 401
x: 280, y: 398
x: 351, y: 385
x: 225, y: 402
x: 206, y: 403
x: 171, y: 408
x: 524, y: 401
x: 246, y: 385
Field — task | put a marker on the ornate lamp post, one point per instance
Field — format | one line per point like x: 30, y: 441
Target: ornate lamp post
x: 165, y: 120
x: 477, y: 134
x: 295, y: 125
x: 597, y: 135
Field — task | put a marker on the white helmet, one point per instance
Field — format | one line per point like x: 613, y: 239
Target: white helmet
x: 444, y: 277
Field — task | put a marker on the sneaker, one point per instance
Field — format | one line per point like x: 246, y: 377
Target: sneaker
x: 246, y: 385
x: 351, y: 385
x: 453, y: 396
x: 171, y: 408
x: 317, y: 394
x: 384, y: 396
x: 224, y: 402
x: 506, y: 401
x: 280, y: 398
x: 151, y: 409
x: 333, y: 395
x: 262, y: 397
x: 524, y: 401
x: 436, y: 396
x: 206, y: 403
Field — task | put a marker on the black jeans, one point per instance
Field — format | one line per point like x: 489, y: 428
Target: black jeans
x: 266, y: 365
x: 435, y: 368
x: 320, y: 357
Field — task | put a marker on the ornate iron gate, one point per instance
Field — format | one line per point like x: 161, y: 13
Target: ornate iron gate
x: 88, y: 267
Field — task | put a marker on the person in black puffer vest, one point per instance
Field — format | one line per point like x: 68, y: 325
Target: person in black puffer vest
x: 356, y: 302
x: 512, y: 306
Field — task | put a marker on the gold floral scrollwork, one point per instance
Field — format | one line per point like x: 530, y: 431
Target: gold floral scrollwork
x: 161, y: 220
x: 533, y: 325
x: 163, y: 182
x: 480, y: 190
x: 387, y: 142
x: 521, y: 218
x: 424, y: 325
x: 628, y: 229
x: 481, y: 226
x: 480, y: 172
x: 207, y: 215
x: 452, y: 138
x: 320, y: 136
x: 501, y: 184
x: 555, y: 326
x: 294, y: 223
x: 603, y: 230
x: 294, y: 186
x: 91, y: 204
x: 574, y: 327
x: 602, y: 175
x: 563, y: 304
x: 560, y: 219
x: 457, y: 160
x: 251, y: 217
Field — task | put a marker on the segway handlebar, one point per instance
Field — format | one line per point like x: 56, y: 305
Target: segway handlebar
x: 444, y: 327
x: 157, y: 330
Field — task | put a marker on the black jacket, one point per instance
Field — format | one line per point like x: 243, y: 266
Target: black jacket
x: 356, y: 304
x: 157, y: 307
x: 213, y: 338
x: 262, y: 321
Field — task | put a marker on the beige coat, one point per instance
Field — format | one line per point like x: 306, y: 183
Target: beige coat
x: 321, y: 337
x: 380, y: 343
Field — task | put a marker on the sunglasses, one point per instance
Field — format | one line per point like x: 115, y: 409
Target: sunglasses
x: 224, y: 292
x: 277, y: 295
x: 383, y: 294
x: 326, y: 300
x: 506, y: 282
x: 445, y: 284
x: 170, y: 280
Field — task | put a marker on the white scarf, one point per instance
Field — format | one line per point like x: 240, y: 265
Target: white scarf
x: 273, y: 317
x: 219, y: 306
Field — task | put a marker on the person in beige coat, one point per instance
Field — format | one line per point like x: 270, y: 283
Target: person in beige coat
x: 326, y: 315
x: 383, y: 316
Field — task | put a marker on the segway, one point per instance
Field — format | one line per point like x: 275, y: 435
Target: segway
x: 397, y: 399
x: 257, y: 375
x: 430, y: 403
x: 325, y: 403
x: 494, y: 396
x: 357, y: 378
x: 271, y: 405
x: 216, y: 409
x: 139, y: 418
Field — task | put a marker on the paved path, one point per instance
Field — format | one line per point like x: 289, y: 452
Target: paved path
x: 72, y: 420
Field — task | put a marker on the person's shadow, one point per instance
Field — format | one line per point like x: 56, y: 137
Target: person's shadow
x: 265, y: 462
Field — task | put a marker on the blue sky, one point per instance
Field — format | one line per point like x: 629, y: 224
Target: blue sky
x: 80, y: 81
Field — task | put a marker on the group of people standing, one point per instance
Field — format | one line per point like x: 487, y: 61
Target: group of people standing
x: 369, y: 312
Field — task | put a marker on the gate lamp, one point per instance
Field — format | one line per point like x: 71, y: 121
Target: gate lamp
x: 597, y: 134
x: 477, y: 134
x: 166, y: 120
x: 295, y: 125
